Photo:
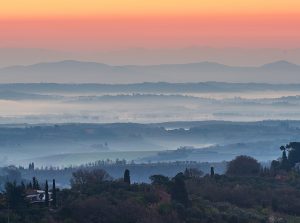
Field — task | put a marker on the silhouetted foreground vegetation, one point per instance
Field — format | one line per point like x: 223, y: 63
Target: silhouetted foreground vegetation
x: 247, y: 192
x: 140, y: 172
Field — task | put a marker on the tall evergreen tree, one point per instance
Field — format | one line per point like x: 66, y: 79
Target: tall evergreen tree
x: 46, y: 194
x: 34, y: 183
x: 54, y: 201
x: 127, y: 176
x: 212, y: 171
x: 31, y: 166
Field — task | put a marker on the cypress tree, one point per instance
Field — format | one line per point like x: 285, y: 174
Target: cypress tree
x: 212, y: 171
x: 127, y: 176
x: 53, y: 193
x: 46, y: 194
x: 31, y: 166
x: 34, y: 183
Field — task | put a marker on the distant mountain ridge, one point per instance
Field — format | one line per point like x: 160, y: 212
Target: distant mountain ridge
x: 71, y: 71
x: 146, y: 87
x: 142, y: 56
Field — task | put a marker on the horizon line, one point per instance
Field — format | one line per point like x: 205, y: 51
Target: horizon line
x: 148, y: 65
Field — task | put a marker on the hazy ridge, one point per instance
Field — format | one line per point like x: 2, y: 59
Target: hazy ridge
x: 91, y: 72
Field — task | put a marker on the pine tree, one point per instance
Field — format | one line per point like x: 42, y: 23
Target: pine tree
x: 54, y: 194
x: 127, y: 176
x: 46, y: 194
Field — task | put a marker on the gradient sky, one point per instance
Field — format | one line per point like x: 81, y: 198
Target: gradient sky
x: 119, y: 24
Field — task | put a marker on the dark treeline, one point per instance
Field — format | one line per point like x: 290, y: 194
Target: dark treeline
x: 140, y: 173
x: 245, y: 192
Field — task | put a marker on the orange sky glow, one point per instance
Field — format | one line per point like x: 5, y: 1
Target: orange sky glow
x: 119, y: 24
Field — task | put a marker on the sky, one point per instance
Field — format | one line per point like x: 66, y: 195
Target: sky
x: 88, y: 25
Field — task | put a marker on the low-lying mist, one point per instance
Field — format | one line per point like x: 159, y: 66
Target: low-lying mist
x: 149, y: 107
x: 34, y: 122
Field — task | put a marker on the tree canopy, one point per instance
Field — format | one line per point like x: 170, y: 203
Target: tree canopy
x: 243, y: 166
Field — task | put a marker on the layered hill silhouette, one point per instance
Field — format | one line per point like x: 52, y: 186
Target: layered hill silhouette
x: 70, y: 71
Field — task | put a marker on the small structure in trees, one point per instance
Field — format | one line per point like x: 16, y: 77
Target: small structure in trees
x: 37, y: 196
